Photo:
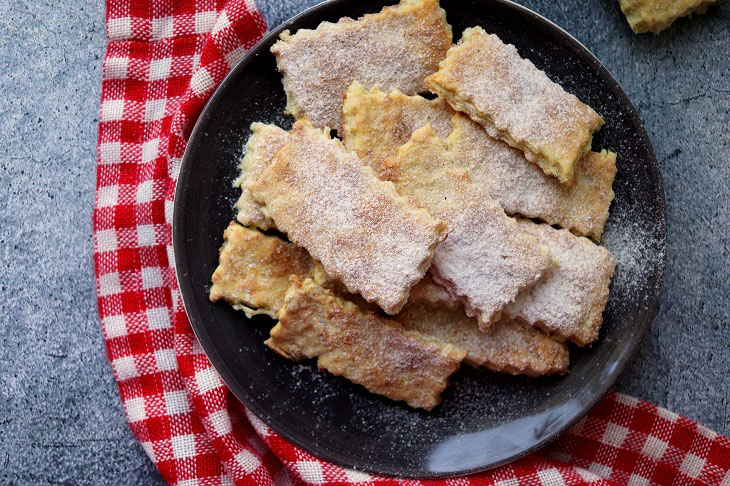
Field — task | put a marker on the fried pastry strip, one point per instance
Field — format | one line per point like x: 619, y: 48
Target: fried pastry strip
x: 507, y: 346
x: 361, y: 346
x: 395, y: 48
x: 261, y: 147
x: 253, y: 270
x: 376, y: 124
x: 364, y: 234
x: 486, y: 259
x: 516, y: 102
x: 522, y: 188
x: 656, y: 15
x: 568, y: 302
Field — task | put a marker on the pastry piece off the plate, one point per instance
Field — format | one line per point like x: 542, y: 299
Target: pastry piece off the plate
x: 522, y: 188
x: 568, y: 302
x: 377, y: 123
x: 395, y: 48
x: 254, y: 268
x: 362, y: 346
x: 516, y: 102
x: 261, y: 147
x: 365, y: 235
x: 486, y: 259
x: 507, y: 346
x: 657, y: 15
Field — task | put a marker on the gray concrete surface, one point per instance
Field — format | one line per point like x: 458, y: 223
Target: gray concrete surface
x: 60, y: 416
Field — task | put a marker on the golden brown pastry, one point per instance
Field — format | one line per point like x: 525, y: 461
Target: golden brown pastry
x: 261, y: 147
x: 516, y: 102
x: 657, y: 15
x: 253, y: 270
x: 376, y: 124
x: 486, y: 259
x: 362, y: 346
x: 395, y: 48
x: 365, y: 235
x: 507, y: 346
x: 522, y: 188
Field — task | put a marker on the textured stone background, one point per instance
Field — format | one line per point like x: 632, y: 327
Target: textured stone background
x: 60, y: 416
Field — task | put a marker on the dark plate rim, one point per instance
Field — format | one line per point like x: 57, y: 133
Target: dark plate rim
x: 186, y: 288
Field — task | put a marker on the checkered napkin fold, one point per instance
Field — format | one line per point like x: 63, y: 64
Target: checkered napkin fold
x: 164, y: 59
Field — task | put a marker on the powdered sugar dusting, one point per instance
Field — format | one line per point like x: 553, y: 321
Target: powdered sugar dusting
x: 522, y: 188
x: 486, y: 260
x: 396, y: 48
x: 639, y: 252
x: 569, y: 301
x: 516, y: 102
x: 364, y: 234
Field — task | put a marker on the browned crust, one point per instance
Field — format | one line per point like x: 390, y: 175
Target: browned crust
x: 261, y: 147
x: 377, y: 123
x: 253, y: 270
x: 507, y: 346
x: 361, y: 346
x: 656, y: 15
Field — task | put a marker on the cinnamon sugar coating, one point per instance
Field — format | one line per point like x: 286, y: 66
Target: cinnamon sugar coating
x: 395, y: 48
x: 569, y: 301
x: 516, y: 102
x: 486, y: 259
x: 377, y: 123
x: 507, y: 346
x: 362, y: 346
x: 365, y: 235
x: 522, y: 188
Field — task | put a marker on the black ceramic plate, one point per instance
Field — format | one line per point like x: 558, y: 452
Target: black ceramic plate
x: 485, y: 419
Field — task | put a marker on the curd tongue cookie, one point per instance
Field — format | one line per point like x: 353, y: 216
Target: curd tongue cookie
x: 261, y: 147
x: 376, y: 124
x: 362, y: 346
x: 516, y: 102
x: 486, y: 259
x: 254, y: 269
x: 568, y: 302
x: 656, y: 15
x: 365, y: 235
x: 395, y: 48
x: 507, y: 346
x: 522, y: 188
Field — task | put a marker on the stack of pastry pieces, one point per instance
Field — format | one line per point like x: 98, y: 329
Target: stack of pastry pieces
x: 406, y: 249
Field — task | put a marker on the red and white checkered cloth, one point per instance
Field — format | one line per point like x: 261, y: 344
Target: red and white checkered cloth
x: 164, y: 59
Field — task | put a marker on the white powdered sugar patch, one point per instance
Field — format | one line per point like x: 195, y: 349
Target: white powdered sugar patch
x: 516, y: 102
x: 395, y: 48
x: 639, y: 252
x: 362, y: 231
